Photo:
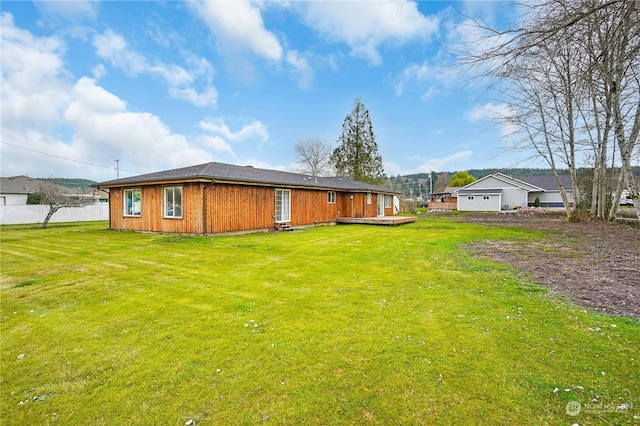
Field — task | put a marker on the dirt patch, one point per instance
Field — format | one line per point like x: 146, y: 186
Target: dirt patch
x: 595, y: 264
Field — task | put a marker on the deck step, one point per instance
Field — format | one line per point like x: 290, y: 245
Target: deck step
x: 283, y: 227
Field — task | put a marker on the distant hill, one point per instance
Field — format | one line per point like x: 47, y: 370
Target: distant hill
x: 74, y: 183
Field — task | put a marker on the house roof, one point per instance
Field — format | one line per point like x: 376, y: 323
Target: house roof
x: 502, y: 178
x: 449, y: 190
x: 548, y: 182
x: 23, y: 185
x: 530, y: 183
x: 483, y: 191
x: 245, y: 174
x: 18, y: 185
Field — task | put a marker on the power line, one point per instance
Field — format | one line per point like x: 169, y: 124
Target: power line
x: 67, y: 159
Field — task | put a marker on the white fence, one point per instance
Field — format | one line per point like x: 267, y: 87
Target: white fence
x: 12, y: 215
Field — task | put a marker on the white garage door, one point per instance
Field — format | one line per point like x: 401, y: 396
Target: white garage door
x: 479, y: 202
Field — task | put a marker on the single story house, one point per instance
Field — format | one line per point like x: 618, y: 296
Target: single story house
x: 15, y: 190
x: 498, y: 191
x: 215, y: 198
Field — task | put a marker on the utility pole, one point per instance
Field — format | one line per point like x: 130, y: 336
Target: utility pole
x: 118, y: 169
x: 430, y: 180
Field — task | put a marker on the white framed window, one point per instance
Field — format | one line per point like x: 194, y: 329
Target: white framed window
x: 173, y: 202
x: 132, y: 202
x: 470, y: 197
x: 283, y: 205
x: 369, y: 198
x: 331, y: 197
x: 387, y: 201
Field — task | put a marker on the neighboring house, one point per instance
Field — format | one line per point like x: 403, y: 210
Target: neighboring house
x: 498, y: 191
x: 15, y: 190
x: 445, y: 200
x: 216, y: 198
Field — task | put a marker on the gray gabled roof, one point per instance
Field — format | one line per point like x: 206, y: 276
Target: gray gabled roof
x: 24, y: 185
x: 245, y: 174
x: 18, y: 185
x: 489, y: 191
x: 548, y: 182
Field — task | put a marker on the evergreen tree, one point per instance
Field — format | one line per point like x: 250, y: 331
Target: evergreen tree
x: 356, y: 156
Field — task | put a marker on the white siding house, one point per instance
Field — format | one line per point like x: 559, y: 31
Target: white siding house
x: 498, y: 191
x: 15, y: 190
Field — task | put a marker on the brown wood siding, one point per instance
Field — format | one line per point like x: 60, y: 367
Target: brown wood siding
x: 357, y: 206
x: 152, y: 210
x: 343, y: 204
x: 234, y: 208
x: 309, y: 207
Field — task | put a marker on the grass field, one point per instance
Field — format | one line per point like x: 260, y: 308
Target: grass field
x: 333, y: 325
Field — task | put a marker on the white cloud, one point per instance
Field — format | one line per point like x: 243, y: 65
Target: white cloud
x: 364, y: 26
x: 426, y: 78
x: 238, y: 25
x: 70, y: 10
x: 32, y: 92
x: 448, y: 163
x: 99, y: 71
x: 113, y: 48
x: 104, y: 128
x: 502, y: 114
x: 200, y: 99
x: 216, y: 143
x: 52, y: 126
x: 301, y: 69
x: 252, y: 131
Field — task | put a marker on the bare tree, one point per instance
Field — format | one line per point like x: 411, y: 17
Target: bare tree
x: 313, y: 155
x: 571, y: 77
x: 57, y: 197
x: 442, y: 182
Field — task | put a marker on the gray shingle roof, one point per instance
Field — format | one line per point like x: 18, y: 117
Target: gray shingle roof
x: 548, y: 182
x: 26, y: 185
x: 18, y: 185
x: 245, y: 174
x: 480, y: 191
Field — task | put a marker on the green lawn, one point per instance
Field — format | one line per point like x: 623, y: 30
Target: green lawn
x: 333, y: 325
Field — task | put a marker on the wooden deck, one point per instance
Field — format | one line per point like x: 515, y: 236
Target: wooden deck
x: 381, y: 220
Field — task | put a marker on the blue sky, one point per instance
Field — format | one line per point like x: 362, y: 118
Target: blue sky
x: 172, y: 84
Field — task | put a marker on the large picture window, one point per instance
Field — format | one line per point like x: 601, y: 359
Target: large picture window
x: 132, y: 201
x: 283, y: 205
x: 388, y: 200
x: 173, y: 201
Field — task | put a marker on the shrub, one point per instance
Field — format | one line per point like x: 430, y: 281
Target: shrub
x: 408, y: 207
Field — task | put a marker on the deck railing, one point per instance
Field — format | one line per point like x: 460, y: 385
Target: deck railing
x: 439, y: 205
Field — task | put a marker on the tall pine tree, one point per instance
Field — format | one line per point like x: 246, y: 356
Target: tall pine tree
x: 356, y: 156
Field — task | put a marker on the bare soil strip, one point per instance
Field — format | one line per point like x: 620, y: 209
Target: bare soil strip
x: 595, y: 264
